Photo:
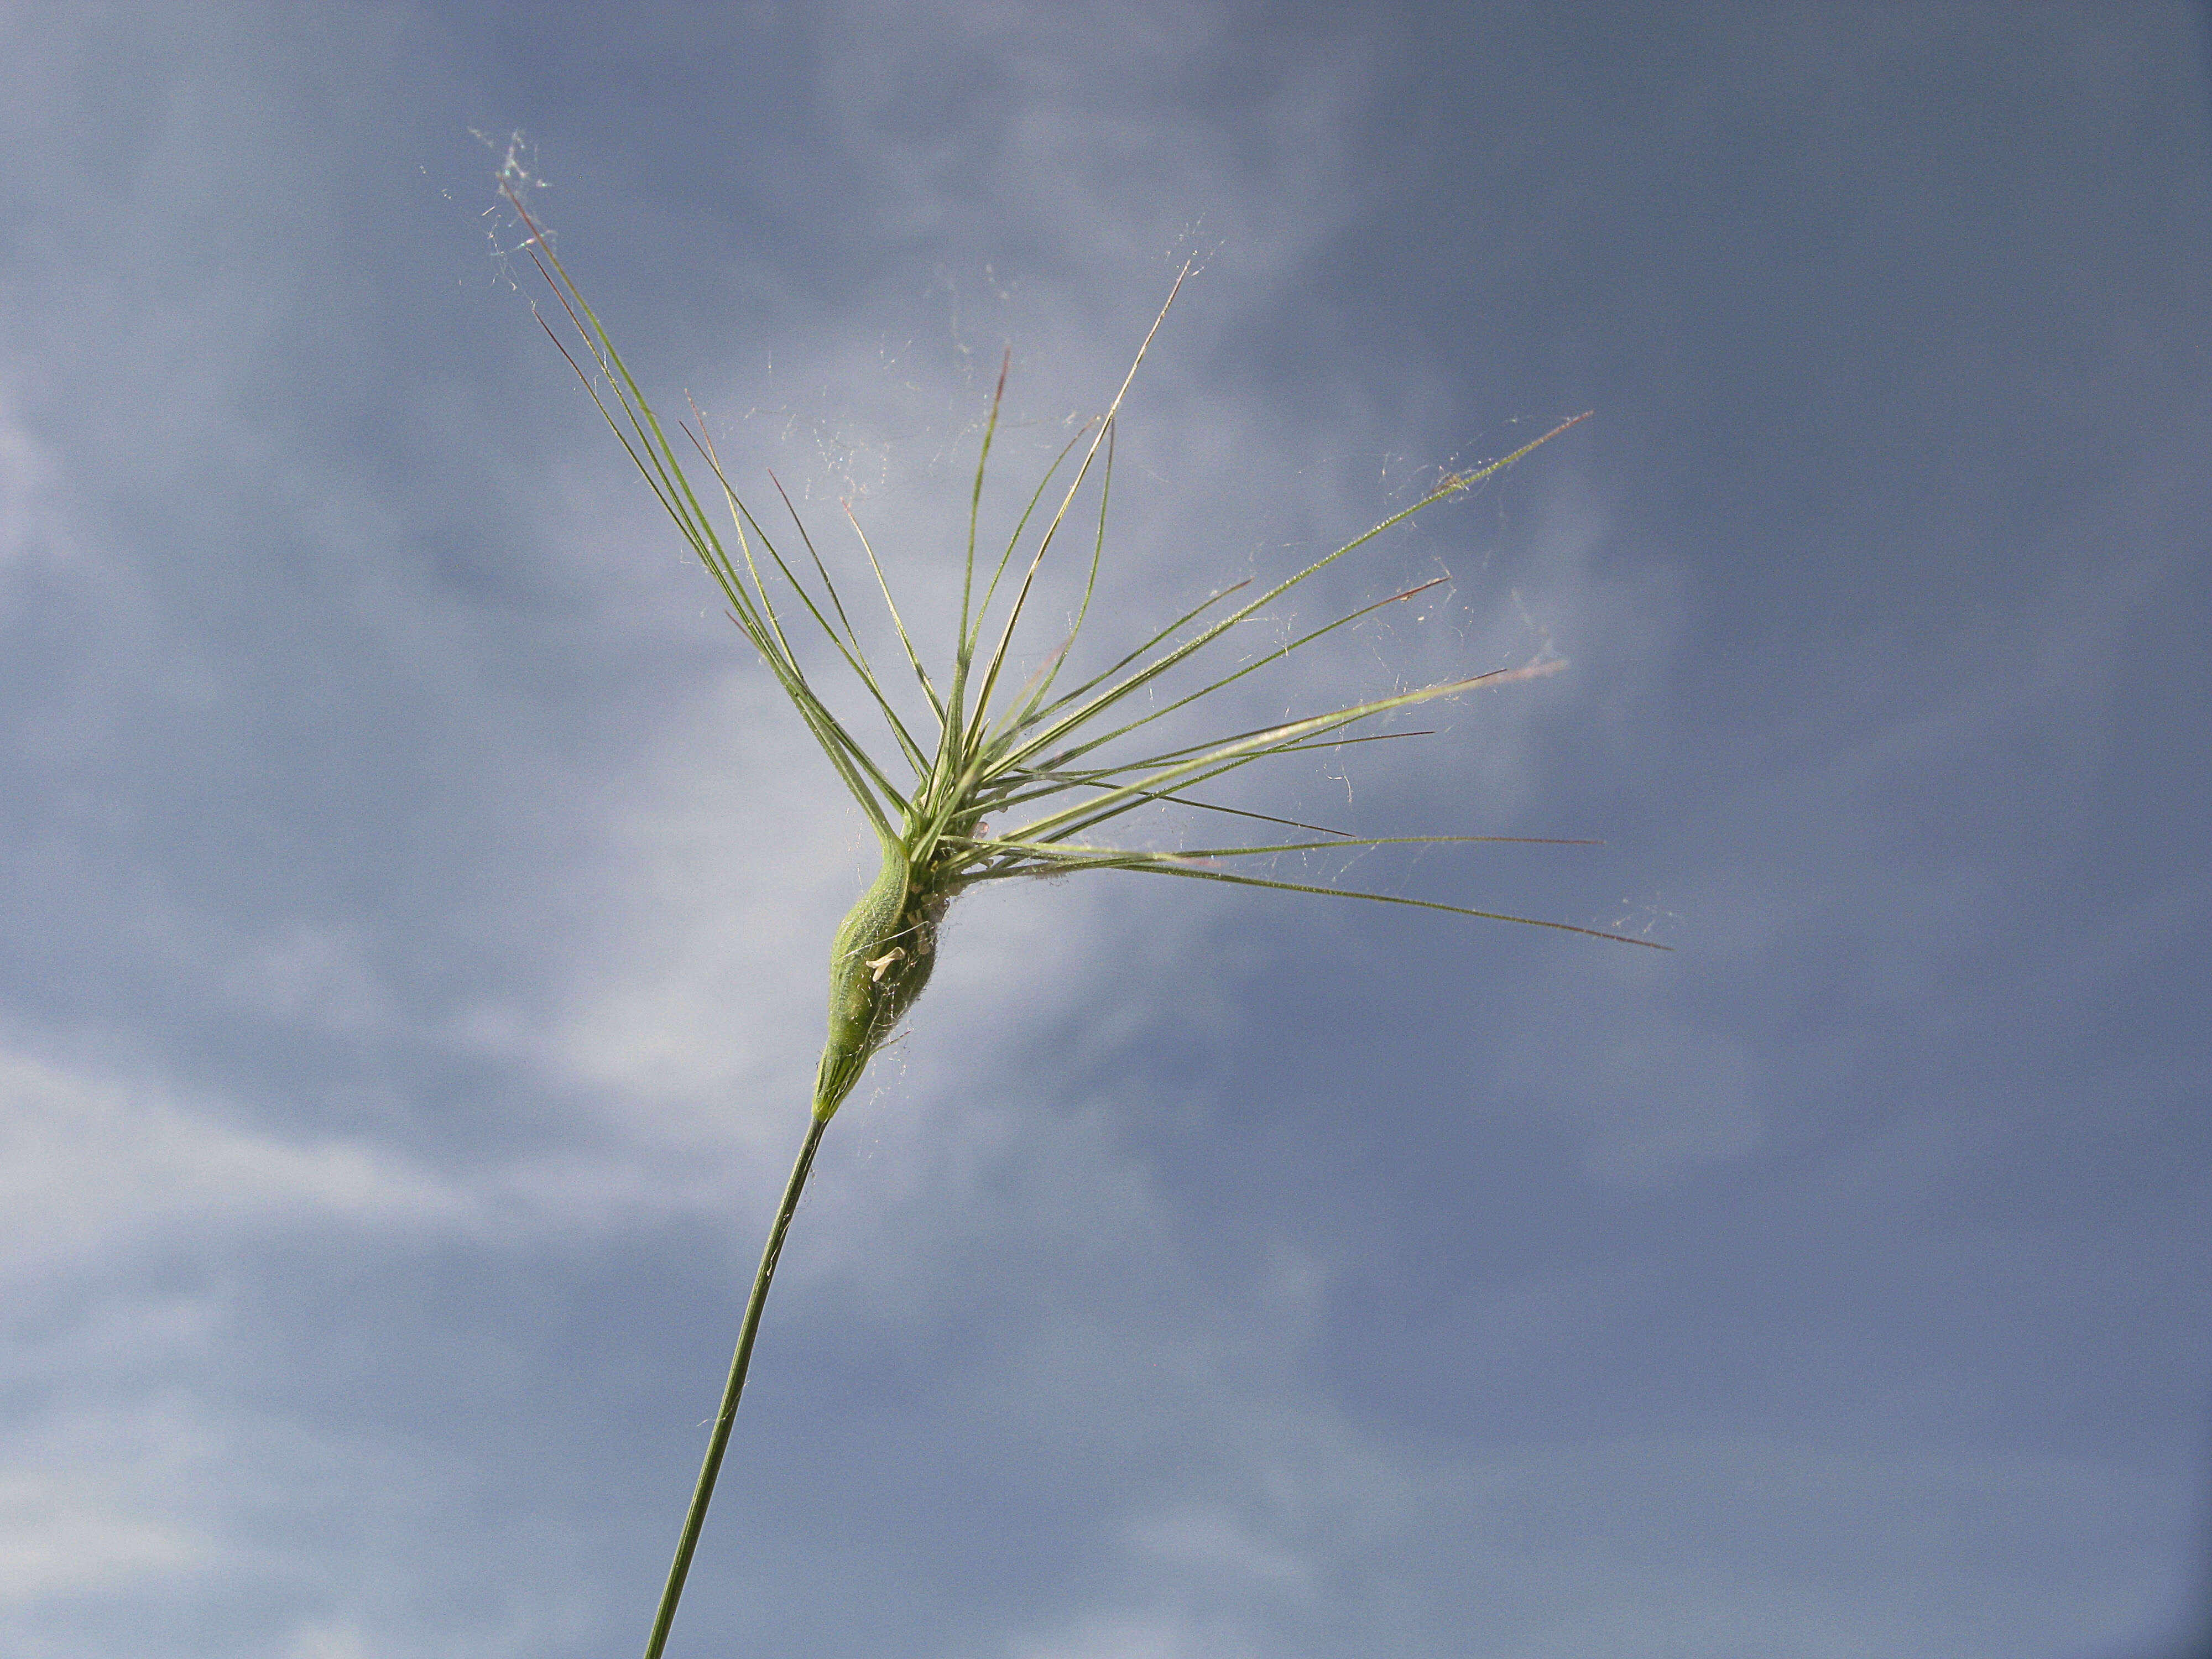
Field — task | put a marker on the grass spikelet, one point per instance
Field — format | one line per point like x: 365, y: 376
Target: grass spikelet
x: 1051, y: 766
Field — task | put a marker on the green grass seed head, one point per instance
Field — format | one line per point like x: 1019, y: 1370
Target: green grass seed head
x: 1051, y: 768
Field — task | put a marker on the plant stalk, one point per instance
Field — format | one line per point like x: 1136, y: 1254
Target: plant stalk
x: 703, y: 1493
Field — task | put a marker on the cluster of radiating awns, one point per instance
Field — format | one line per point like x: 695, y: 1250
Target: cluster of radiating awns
x: 1038, y: 758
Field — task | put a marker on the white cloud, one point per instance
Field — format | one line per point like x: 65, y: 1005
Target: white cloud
x: 93, y: 1165
x: 98, y: 1501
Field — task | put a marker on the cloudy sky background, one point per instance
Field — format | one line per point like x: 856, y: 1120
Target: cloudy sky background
x: 417, y: 903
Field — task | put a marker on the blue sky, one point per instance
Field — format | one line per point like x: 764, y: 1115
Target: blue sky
x: 419, y: 904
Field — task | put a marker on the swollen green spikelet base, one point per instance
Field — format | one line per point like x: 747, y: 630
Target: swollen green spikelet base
x: 884, y: 948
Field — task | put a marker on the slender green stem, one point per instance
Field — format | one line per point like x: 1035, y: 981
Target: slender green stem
x: 703, y: 1493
